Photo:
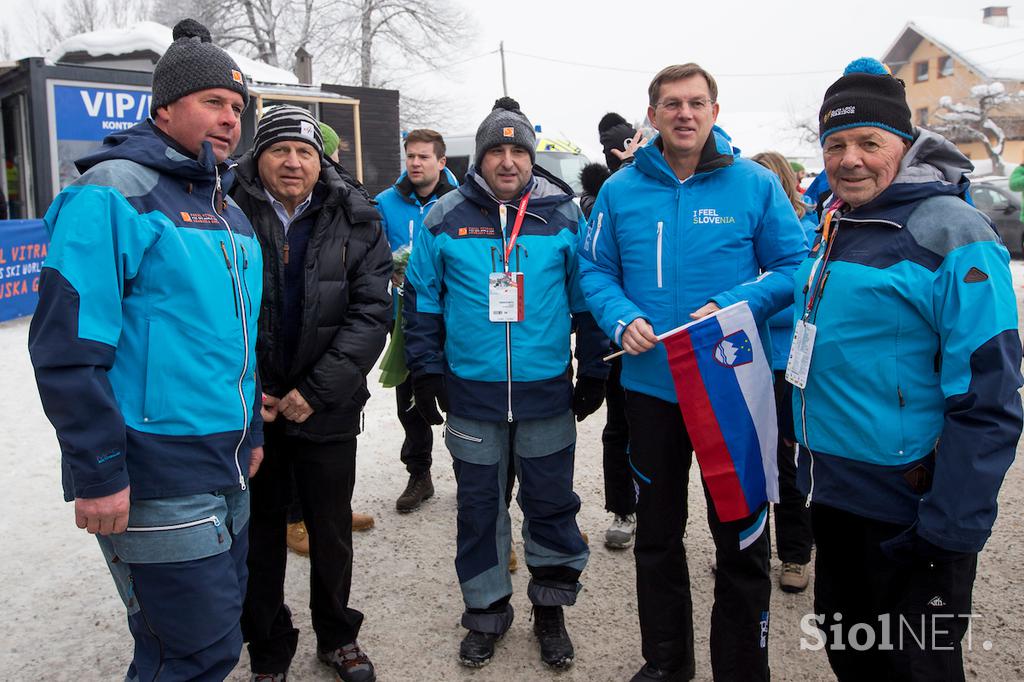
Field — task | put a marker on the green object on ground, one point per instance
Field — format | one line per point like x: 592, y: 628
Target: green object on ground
x: 392, y: 366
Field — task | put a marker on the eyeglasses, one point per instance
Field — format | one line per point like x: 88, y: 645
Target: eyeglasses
x: 698, y: 105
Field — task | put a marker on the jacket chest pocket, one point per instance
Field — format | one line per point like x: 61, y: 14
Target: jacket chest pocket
x: 659, y: 252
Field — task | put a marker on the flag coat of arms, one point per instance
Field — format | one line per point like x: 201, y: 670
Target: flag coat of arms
x: 724, y: 386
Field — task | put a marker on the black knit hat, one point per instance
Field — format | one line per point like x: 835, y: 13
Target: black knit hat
x: 193, y: 63
x: 506, y: 124
x: 614, y: 133
x: 287, y: 122
x: 867, y: 95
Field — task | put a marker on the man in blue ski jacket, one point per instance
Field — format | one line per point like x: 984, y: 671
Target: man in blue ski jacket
x: 688, y: 228
x: 909, y: 410
x: 403, y: 206
x: 143, y: 345
x: 490, y: 299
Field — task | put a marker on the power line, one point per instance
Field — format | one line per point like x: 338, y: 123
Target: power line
x: 447, y: 64
x: 649, y: 71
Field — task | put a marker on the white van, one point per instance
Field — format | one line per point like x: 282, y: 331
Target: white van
x: 559, y: 157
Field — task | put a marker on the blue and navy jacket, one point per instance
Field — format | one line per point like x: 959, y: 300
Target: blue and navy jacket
x: 659, y: 249
x: 911, y: 413
x: 143, y: 341
x: 780, y: 325
x: 401, y: 211
x: 497, y: 371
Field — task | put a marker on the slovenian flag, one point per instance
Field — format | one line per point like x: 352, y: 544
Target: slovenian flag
x: 724, y: 386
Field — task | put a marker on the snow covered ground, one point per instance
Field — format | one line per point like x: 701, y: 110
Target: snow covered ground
x: 65, y: 621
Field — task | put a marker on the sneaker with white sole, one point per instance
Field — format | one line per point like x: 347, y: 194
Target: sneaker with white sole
x: 620, y: 534
x: 794, y: 577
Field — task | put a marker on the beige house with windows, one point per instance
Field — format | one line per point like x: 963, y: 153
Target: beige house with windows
x: 937, y: 57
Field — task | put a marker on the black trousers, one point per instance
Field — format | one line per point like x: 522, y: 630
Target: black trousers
x: 419, y: 438
x: 619, y: 491
x: 324, y: 477
x: 660, y: 451
x: 792, y: 515
x: 923, y: 600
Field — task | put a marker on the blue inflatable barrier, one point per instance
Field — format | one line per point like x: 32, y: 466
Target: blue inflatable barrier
x: 23, y: 245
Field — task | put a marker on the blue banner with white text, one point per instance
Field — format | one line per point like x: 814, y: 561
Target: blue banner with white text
x: 85, y: 114
x: 23, y: 245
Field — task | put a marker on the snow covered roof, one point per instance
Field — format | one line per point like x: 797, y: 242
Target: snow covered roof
x: 147, y: 36
x: 995, y: 52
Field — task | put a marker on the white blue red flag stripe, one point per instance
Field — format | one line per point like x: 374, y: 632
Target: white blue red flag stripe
x: 724, y: 386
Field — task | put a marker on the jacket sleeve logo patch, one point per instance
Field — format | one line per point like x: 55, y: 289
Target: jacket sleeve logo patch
x: 974, y: 275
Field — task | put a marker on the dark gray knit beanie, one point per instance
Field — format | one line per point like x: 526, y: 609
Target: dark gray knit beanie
x: 193, y: 63
x: 287, y: 122
x: 506, y: 124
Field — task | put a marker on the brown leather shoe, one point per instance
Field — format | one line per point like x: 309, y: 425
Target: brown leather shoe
x: 297, y: 538
x: 361, y: 522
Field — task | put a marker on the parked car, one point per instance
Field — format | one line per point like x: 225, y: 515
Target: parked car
x: 992, y: 195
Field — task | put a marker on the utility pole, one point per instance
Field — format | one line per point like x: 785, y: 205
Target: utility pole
x: 504, y: 83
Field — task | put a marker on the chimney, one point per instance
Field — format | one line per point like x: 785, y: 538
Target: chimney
x: 303, y: 66
x: 996, y: 16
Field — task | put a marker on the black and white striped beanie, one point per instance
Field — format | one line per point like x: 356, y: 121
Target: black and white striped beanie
x: 286, y: 122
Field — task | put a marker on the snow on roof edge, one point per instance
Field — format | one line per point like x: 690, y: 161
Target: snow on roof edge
x: 156, y: 38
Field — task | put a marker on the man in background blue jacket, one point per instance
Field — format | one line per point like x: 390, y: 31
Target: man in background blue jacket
x: 403, y: 206
x: 144, y: 350
x: 909, y: 412
x: 688, y: 228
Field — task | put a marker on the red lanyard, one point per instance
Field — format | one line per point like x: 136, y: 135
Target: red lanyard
x: 520, y: 214
x: 828, y: 236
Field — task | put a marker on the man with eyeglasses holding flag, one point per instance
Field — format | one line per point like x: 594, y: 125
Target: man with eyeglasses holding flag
x: 689, y: 228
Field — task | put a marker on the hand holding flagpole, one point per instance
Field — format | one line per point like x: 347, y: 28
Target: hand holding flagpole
x: 639, y: 336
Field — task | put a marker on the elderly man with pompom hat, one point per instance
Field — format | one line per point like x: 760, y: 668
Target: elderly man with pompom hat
x: 144, y: 351
x: 906, y: 367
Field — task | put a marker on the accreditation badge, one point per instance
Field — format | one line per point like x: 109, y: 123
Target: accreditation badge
x: 799, y: 364
x: 505, y: 301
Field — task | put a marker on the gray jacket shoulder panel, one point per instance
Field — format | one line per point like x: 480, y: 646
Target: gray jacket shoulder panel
x: 436, y: 215
x: 944, y: 223
x: 127, y: 177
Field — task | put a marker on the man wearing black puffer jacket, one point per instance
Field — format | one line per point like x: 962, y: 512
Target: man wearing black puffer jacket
x: 323, y: 322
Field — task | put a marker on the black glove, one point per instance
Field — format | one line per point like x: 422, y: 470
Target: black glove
x: 428, y: 391
x: 587, y: 397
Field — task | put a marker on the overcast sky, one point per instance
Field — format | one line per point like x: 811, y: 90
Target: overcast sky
x: 767, y: 56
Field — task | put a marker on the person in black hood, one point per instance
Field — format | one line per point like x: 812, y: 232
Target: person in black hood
x: 323, y: 322
x: 619, y: 140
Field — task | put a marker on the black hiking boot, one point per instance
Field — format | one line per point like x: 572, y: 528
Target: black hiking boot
x: 477, y: 648
x: 419, y: 488
x: 555, y: 646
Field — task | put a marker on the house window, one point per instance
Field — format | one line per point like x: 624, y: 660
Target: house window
x: 920, y: 72
x: 922, y: 116
x: 945, y: 67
